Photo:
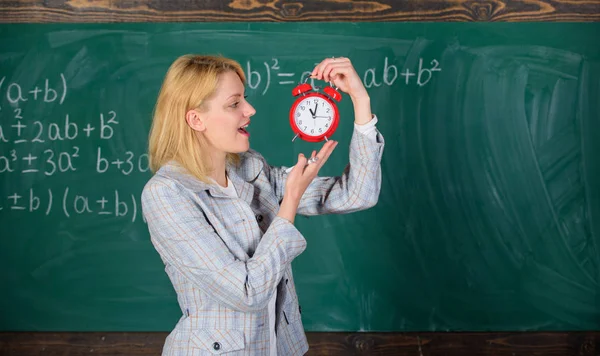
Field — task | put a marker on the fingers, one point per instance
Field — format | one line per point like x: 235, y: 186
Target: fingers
x: 302, y: 162
x: 316, y: 160
x: 323, y: 70
x: 323, y: 154
x: 313, y: 158
x: 335, y: 69
x: 326, y: 151
x: 299, y: 166
x: 318, y: 71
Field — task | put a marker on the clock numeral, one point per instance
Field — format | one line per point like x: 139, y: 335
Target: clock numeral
x: 302, y: 107
x: 300, y: 122
x: 320, y: 129
x: 312, y: 131
x: 328, y: 110
x: 329, y: 119
x: 326, y: 125
x: 305, y: 127
x: 297, y: 114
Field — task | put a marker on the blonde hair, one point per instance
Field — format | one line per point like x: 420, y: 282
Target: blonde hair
x: 189, y: 82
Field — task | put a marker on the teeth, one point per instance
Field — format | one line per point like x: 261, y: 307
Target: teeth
x: 243, y: 127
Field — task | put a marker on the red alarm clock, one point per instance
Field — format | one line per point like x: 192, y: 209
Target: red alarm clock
x: 314, y: 116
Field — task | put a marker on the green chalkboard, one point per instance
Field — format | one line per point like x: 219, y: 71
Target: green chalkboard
x: 489, y: 216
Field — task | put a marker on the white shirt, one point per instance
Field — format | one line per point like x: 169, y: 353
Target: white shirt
x: 367, y: 129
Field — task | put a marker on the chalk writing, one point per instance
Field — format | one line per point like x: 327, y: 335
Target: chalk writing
x: 70, y: 203
x: 48, y: 92
x: 126, y: 164
x: 52, y: 145
x: 259, y: 76
x: 57, y: 144
x: 56, y: 130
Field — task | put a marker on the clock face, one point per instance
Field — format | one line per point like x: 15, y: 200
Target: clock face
x: 314, y: 115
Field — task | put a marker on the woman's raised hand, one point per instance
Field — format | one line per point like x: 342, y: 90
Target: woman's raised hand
x: 306, y: 170
x: 300, y: 177
x: 341, y: 73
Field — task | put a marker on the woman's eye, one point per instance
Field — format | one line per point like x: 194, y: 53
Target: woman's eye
x: 235, y: 105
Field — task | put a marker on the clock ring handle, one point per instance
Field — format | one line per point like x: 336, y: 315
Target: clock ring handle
x: 317, y: 88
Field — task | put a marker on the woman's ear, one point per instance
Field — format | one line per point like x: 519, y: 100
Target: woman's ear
x: 195, y: 120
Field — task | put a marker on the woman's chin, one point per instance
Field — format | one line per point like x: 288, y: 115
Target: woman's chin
x: 243, y: 148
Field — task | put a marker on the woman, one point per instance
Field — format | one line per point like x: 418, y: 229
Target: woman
x: 222, y: 219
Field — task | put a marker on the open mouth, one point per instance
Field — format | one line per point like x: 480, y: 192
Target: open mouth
x: 243, y: 131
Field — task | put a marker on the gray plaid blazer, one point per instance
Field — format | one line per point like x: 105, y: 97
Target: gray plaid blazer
x: 227, y: 256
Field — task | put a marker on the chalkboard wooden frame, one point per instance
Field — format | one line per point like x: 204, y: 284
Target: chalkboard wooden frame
x: 287, y: 11
x: 531, y: 343
x: 328, y: 343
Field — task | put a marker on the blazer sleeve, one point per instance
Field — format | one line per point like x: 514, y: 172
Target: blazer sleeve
x: 185, y: 240
x: 356, y: 189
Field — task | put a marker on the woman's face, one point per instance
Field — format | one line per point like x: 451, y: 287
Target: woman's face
x: 227, y: 115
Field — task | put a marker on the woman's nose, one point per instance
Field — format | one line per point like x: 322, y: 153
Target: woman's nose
x: 250, y: 110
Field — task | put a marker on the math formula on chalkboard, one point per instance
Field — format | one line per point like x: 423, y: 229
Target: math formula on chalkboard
x: 273, y: 73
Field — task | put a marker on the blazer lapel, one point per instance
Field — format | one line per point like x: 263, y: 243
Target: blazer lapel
x: 244, y: 175
x: 241, y: 176
x: 244, y: 189
x: 172, y: 169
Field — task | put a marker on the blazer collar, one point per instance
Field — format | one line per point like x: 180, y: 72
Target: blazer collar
x: 241, y: 176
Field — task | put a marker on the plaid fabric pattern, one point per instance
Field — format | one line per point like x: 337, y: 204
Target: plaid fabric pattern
x: 209, y: 243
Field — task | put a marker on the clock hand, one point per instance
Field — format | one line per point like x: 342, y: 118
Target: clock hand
x: 311, y: 112
x: 315, y: 113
